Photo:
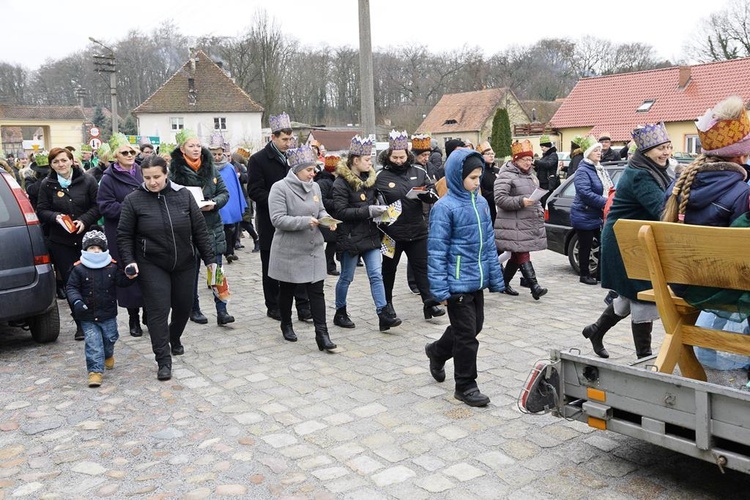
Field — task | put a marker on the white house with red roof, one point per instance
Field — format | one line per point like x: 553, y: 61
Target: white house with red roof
x: 616, y: 104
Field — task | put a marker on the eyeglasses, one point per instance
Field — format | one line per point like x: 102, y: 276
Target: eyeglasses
x: 128, y: 152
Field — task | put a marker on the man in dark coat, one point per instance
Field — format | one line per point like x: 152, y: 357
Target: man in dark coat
x: 264, y: 168
x: 608, y: 154
x: 546, y: 167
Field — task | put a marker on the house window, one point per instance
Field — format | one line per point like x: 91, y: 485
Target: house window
x: 692, y: 144
x: 645, y: 106
x: 220, y: 123
x: 177, y: 123
x: 450, y: 121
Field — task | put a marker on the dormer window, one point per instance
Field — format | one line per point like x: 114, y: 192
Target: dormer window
x: 645, y: 106
x: 450, y: 121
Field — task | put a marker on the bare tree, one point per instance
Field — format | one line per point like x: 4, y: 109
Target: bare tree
x: 723, y: 35
x: 13, y: 83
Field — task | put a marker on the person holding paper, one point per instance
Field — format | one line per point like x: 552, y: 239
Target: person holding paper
x: 586, y: 214
x: 355, y: 203
x: 398, y: 176
x: 519, y: 226
x: 66, y: 193
x: 160, y: 227
x: 193, y: 165
x: 297, y: 256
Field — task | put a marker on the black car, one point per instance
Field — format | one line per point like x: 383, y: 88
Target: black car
x: 561, y: 237
x: 27, y: 278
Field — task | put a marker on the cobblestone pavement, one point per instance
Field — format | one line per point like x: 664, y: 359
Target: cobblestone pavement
x: 248, y: 415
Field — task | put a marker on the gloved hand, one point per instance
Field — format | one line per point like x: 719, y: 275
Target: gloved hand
x: 79, y: 308
x: 377, y: 210
x: 428, y: 197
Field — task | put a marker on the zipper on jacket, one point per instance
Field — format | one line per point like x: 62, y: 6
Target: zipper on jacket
x: 458, y: 268
x: 481, y: 239
x: 171, y: 228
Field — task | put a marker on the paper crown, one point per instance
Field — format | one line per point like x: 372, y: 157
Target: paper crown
x: 421, y: 142
x: 521, y: 149
x: 301, y: 156
x: 118, y: 140
x: 243, y: 153
x: 398, y: 140
x: 294, y: 142
x: 167, y: 147
x: 483, y: 147
x: 184, y: 135
x: 587, y: 142
x: 279, y: 122
x: 726, y: 134
x: 104, y: 150
x: 41, y: 159
x: 332, y: 161
x: 86, y: 147
x: 360, y: 146
x: 650, y: 135
x: 144, y: 141
x: 544, y: 139
x: 217, y: 141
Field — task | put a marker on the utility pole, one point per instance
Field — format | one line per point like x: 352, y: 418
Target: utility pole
x: 108, y: 64
x: 367, y: 87
x: 80, y: 94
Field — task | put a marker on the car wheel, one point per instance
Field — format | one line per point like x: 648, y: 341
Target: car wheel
x: 593, y: 257
x: 45, y: 327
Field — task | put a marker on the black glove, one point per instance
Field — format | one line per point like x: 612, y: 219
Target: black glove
x: 428, y: 197
x: 79, y: 308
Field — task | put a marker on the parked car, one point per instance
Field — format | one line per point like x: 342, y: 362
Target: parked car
x: 27, y: 279
x: 561, y: 237
x: 563, y: 160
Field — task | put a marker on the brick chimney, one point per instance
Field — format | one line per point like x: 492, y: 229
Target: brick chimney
x: 684, y: 77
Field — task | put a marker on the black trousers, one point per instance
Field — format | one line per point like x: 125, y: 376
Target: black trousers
x: 459, y: 341
x: 271, y: 287
x: 585, y: 241
x: 164, y: 291
x: 316, y: 296
x: 330, y: 253
x: 230, y: 233
x: 416, y: 252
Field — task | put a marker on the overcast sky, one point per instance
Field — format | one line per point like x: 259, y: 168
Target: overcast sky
x: 33, y: 32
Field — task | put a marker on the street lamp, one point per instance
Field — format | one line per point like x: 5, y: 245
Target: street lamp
x: 108, y: 64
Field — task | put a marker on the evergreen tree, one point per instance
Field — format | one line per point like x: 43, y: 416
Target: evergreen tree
x: 98, y: 118
x: 501, y: 135
x: 129, y: 127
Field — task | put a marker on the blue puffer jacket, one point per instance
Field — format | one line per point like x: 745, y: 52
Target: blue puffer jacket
x: 461, y: 253
x: 588, y: 206
x: 718, y: 195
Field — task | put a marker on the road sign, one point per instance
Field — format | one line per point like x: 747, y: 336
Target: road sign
x: 94, y: 132
x: 95, y: 143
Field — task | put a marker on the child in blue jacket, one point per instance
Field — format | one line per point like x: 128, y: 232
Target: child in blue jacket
x: 91, y: 290
x: 462, y: 262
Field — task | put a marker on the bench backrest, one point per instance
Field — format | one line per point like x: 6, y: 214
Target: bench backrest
x: 689, y: 254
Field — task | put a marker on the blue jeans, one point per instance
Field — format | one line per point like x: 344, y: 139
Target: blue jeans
x: 373, y: 263
x: 100, y: 342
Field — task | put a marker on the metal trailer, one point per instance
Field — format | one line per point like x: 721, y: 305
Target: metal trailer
x: 699, y: 419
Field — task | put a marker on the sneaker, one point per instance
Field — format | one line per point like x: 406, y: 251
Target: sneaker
x: 109, y: 363
x: 472, y: 397
x: 95, y: 379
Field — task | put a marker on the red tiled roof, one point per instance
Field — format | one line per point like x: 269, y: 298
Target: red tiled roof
x: 609, y: 103
x: 14, y: 112
x: 335, y: 140
x: 464, y: 112
x: 214, y: 92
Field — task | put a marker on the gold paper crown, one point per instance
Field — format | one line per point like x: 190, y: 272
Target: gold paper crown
x: 332, y: 160
x: 243, y: 152
x: 521, y: 149
x: 421, y: 141
x: 725, y: 133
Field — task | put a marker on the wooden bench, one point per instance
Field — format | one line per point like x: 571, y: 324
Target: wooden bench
x: 665, y: 252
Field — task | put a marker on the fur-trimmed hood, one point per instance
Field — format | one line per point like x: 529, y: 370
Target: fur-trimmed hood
x: 355, y: 181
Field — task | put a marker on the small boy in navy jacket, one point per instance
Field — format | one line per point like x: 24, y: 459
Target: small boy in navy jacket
x: 91, y: 292
x: 461, y: 262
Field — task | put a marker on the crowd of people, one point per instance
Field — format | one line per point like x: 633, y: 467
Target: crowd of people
x: 458, y: 222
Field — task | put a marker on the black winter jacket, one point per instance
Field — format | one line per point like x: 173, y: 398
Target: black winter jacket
x: 546, y: 167
x: 393, y: 183
x: 325, y: 182
x: 97, y: 288
x: 264, y: 168
x: 352, y: 195
x: 162, y: 228
x: 78, y: 201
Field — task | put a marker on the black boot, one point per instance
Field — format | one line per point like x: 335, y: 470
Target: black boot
x: 508, y: 272
x: 387, y: 320
x: 527, y: 269
x: 431, y: 310
x: 642, y: 338
x: 223, y: 317
x: 144, y: 318
x: 256, y: 246
x: 322, y: 338
x: 595, y: 332
x: 288, y: 332
x: 197, y: 316
x: 135, y: 322
x: 342, y: 319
